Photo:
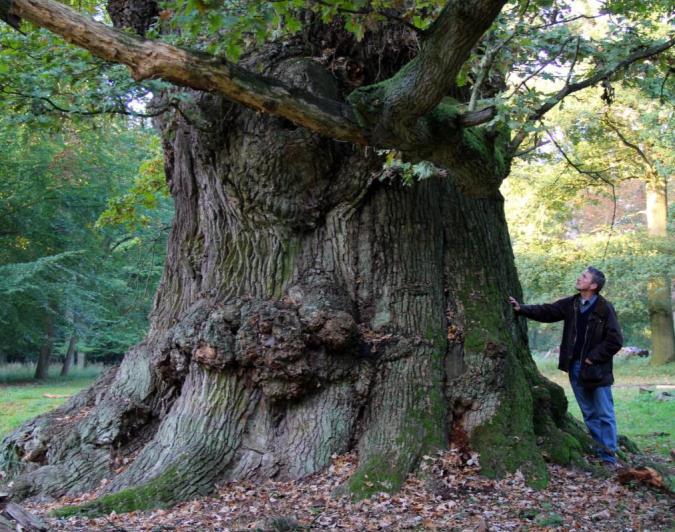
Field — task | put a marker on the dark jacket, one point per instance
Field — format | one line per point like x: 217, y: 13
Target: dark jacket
x: 603, y: 335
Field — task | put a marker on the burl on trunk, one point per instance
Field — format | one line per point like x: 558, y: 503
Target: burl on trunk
x: 311, y: 304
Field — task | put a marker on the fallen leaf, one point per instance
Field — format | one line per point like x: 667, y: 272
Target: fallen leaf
x: 645, y: 475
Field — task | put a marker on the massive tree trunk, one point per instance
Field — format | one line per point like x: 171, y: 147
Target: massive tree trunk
x: 311, y: 304
x: 659, y: 289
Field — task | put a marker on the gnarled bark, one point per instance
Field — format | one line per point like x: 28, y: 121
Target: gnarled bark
x: 311, y: 303
x: 307, y: 308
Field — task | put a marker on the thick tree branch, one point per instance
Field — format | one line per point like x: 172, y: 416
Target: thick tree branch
x: 416, y: 90
x: 570, y: 88
x: 152, y: 59
x: 404, y: 112
x: 445, y: 48
x: 393, y: 108
x: 475, y: 118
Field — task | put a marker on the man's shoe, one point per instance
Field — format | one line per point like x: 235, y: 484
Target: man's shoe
x: 611, y: 466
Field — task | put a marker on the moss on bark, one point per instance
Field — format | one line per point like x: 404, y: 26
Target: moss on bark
x: 507, y: 442
x: 421, y: 426
x: 157, y: 493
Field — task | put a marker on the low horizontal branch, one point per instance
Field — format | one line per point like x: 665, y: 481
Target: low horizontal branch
x: 475, y: 118
x: 149, y: 59
x: 153, y: 59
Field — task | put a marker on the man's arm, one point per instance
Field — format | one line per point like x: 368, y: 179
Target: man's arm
x: 547, y: 313
x: 611, y: 343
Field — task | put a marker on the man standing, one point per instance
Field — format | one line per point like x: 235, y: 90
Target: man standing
x: 591, y: 337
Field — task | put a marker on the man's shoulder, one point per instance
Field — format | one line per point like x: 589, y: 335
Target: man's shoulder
x: 604, y: 307
x: 566, y: 301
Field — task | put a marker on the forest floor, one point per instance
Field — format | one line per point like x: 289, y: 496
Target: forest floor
x: 446, y: 494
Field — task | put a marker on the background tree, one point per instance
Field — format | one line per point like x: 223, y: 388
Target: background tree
x: 311, y: 302
x: 591, y: 204
x: 62, y: 277
x: 655, y: 164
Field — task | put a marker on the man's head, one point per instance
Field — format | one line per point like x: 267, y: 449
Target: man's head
x: 591, y: 280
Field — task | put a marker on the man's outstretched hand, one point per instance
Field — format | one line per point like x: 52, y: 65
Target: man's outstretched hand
x: 514, y: 304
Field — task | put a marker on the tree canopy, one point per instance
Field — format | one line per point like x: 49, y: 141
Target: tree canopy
x: 511, y: 62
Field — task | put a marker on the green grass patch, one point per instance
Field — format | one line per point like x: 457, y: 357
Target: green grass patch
x: 22, y: 398
x: 640, y: 416
x: 23, y: 373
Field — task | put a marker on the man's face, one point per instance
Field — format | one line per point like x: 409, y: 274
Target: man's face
x: 585, y: 281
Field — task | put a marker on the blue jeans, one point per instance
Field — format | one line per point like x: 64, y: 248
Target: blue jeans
x: 597, y: 407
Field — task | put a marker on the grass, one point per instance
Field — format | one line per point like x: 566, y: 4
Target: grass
x: 640, y: 416
x: 23, y: 373
x: 22, y: 398
x: 650, y: 423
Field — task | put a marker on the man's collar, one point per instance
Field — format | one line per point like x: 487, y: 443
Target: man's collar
x: 586, y: 304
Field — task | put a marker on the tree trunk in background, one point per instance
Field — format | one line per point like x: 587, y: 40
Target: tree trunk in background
x: 81, y: 359
x: 3, y: 358
x: 311, y: 304
x: 70, y: 355
x: 659, y: 288
x: 44, y: 358
x: 534, y: 338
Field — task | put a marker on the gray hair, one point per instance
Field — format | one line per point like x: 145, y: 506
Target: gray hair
x: 598, y: 277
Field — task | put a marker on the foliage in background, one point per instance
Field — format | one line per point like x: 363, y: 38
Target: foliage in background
x: 561, y: 201
x: 56, y: 263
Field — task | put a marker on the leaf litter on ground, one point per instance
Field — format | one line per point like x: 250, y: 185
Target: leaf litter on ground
x: 447, y: 493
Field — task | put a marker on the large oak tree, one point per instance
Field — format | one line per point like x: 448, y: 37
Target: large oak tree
x: 312, y: 302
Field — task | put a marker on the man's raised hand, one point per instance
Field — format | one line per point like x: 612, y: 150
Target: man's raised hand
x: 514, y: 304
